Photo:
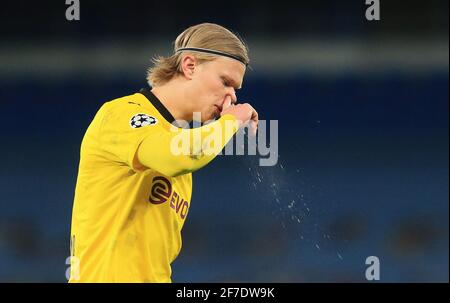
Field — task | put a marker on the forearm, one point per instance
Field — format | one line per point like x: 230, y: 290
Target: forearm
x: 183, y: 151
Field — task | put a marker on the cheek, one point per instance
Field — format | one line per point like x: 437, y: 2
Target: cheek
x: 212, y: 90
x: 211, y: 83
x: 209, y: 89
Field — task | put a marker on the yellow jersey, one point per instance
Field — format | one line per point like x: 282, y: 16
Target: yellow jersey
x: 129, y: 208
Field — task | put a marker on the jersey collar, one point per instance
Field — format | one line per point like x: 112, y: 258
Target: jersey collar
x: 157, y: 104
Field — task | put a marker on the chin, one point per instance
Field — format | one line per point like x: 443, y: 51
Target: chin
x: 210, y: 118
x: 215, y: 117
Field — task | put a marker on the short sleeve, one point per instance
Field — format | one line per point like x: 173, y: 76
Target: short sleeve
x: 122, y: 130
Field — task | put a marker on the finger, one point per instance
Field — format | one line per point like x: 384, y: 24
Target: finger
x: 255, y: 120
x: 253, y: 127
x: 226, y: 103
x: 255, y: 116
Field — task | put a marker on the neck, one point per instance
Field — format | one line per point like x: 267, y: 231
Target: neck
x: 173, y: 97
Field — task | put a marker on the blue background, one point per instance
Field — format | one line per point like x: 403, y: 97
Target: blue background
x: 363, y: 156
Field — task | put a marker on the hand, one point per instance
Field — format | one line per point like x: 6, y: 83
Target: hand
x: 244, y: 113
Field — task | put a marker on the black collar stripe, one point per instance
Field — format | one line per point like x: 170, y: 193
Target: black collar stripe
x: 157, y: 104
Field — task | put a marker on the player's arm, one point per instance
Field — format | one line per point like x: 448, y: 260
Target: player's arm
x: 182, y: 151
x: 162, y: 151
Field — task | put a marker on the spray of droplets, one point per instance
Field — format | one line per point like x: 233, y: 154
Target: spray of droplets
x: 290, y: 198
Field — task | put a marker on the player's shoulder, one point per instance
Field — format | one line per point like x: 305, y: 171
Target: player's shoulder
x: 131, y: 102
x: 128, y: 105
x: 131, y: 109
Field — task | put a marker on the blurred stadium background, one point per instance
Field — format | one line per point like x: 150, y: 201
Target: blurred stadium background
x: 363, y: 124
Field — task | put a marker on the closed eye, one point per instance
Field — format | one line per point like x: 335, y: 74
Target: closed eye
x: 225, y: 82
x: 228, y: 83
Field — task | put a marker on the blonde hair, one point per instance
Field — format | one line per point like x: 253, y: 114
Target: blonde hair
x: 205, y: 35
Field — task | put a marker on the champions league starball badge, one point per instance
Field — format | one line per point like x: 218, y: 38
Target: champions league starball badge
x: 140, y: 120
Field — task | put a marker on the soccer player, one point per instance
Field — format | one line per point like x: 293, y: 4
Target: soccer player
x: 134, y: 187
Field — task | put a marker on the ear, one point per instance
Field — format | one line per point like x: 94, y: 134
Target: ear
x: 188, y: 64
